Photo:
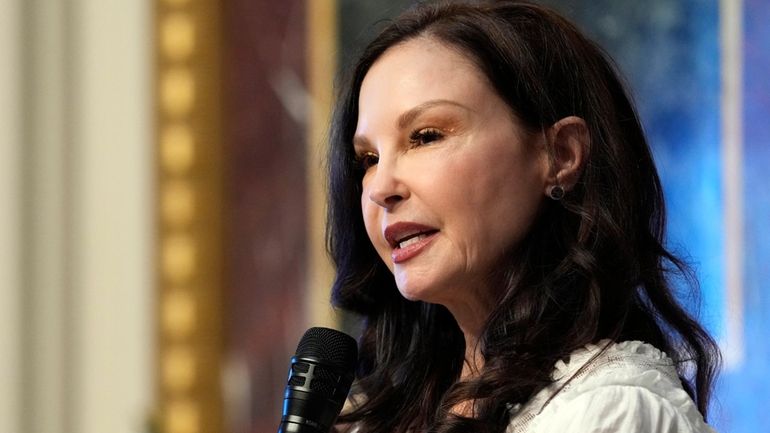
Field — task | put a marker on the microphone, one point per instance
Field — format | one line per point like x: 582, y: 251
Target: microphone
x: 320, y: 376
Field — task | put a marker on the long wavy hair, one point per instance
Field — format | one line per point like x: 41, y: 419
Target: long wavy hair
x: 594, y: 265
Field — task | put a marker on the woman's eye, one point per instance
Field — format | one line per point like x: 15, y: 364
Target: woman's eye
x: 425, y: 136
x: 366, y: 160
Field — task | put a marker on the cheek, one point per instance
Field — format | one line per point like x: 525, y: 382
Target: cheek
x: 372, y: 224
x: 499, y: 205
x: 368, y: 214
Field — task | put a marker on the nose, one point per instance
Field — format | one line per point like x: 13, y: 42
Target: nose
x: 386, y: 187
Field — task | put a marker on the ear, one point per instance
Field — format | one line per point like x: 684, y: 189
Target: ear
x: 570, y: 142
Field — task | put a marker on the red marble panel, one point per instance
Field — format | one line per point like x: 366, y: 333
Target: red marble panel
x: 263, y: 78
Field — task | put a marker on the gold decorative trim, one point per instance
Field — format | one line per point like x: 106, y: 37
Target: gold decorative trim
x: 189, y: 217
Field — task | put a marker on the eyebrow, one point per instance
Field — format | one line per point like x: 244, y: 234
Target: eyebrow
x: 407, y: 117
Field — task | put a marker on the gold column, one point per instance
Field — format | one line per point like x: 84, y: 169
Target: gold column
x: 190, y: 237
x: 322, y: 66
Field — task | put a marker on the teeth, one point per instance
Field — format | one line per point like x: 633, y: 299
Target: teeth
x: 410, y: 241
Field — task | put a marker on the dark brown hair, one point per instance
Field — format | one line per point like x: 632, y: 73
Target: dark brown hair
x: 593, y: 267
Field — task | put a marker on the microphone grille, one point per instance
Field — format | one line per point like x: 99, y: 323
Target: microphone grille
x: 329, y: 345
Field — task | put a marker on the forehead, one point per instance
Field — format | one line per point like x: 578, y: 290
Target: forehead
x: 418, y: 70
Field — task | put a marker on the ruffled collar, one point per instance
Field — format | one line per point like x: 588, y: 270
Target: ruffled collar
x: 607, y: 350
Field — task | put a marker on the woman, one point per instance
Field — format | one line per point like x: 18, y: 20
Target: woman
x: 496, y: 218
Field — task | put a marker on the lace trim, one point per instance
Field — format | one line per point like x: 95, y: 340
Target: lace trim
x: 603, y: 358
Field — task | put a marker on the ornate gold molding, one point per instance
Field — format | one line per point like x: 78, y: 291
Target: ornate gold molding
x: 189, y: 179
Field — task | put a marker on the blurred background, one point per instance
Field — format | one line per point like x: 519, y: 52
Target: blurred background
x: 161, y: 196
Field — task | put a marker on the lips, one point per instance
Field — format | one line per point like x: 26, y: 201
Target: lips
x: 408, y: 239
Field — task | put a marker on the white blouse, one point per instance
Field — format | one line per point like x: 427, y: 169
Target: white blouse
x: 630, y: 387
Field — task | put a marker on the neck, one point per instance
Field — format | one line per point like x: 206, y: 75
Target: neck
x: 474, y: 361
x: 471, y: 312
x: 471, y: 322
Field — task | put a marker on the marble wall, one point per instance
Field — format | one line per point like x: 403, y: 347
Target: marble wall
x: 266, y: 214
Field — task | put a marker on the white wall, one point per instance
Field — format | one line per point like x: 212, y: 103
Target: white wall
x: 10, y: 133
x: 76, y: 191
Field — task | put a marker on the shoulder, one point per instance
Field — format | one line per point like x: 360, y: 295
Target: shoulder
x: 623, y: 387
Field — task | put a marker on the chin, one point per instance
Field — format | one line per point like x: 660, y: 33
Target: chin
x: 410, y: 295
x: 411, y: 292
x: 414, y: 292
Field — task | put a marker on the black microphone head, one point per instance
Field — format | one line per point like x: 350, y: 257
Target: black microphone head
x: 330, y: 346
x: 320, y: 377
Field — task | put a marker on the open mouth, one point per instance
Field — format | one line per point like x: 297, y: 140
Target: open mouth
x: 413, y: 239
x: 408, y: 239
x: 403, y: 234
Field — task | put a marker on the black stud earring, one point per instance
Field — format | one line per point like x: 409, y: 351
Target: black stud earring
x: 556, y: 192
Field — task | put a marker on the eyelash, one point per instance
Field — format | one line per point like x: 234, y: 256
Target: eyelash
x: 366, y: 160
x: 425, y: 136
x: 420, y: 137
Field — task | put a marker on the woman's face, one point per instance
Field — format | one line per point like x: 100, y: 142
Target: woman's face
x: 452, y: 180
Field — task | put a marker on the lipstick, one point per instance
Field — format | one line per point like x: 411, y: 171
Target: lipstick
x: 408, y: 239
x: 415, y: 247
